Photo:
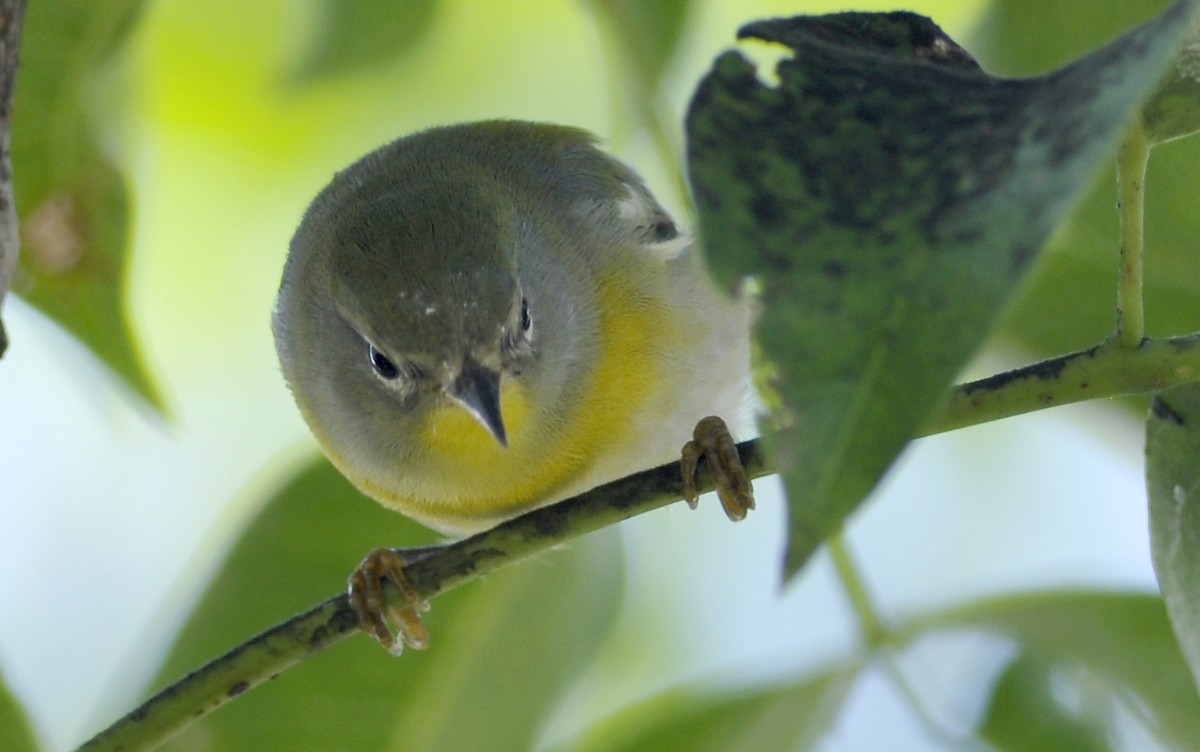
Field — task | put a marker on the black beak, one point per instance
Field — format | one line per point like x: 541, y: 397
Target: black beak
x: 478, y: 390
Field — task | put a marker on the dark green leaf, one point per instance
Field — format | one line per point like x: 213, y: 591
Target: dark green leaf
x: 781, y: 718
x: 503, y: 649
x: 352, y: 36
x: 73, y: 204
x: 1026, y: 713
x: 1173, y: 484
x: 873, y: 193
x: 16, y: 734
x: 1126, y: 639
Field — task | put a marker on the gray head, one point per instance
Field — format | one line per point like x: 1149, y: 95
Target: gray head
x: 411, y: 288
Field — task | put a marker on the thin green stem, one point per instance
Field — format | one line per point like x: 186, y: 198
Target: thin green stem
x: 873, y: 629
x: 1132, y: 157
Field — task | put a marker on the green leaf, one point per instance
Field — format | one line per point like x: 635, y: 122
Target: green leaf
x: 1030, y: 37
x: 646, y: 33
x: 1125, y: 638
x: 704, y: 720
x: 503, y: 649
x: 16, y: 733
x: 873, y: 194
x: 1069, y: 303
x: 1173, y: 485
x: 1173, y: 110
x: 1064, y: 306
x: 1026, y: 712
x: 363, y: 34
x: 73, y: 204
x: 1025, y: 36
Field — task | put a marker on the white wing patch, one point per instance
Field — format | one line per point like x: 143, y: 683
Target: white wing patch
x: 640, y: 209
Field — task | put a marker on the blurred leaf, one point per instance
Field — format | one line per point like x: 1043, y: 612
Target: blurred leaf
x: 1173, y: 484
x: 648, y: 33
x: 16, y: 733
x: 1070, y: 300
x: 792, y: 717
x: 872, y: 193
x: 503, y: 649
x: 1124, y: 638
x: 1030, y: 37
x: 73, y: 204
x: 363, y: 34
x: 1026, y: 713
x: 1173, y: 110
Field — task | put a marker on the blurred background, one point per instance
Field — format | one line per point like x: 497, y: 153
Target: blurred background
x: 225, y: 120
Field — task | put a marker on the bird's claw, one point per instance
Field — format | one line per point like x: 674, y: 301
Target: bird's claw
x: 367, y: 599
x: 713, y: 441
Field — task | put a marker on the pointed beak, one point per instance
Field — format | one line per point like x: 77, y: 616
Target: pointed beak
x: 478, y: 390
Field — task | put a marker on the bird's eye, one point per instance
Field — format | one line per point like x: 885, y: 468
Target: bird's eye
x: 526, y: 322
x: 663, y: 230
x: 382, y: 365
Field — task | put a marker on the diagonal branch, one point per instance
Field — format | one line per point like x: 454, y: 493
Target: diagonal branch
x: 1107, y: 370
x: 436, y: 571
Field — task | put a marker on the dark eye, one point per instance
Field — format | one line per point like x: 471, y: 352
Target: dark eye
x: 384, y: 367
x: 526, y: 322
x: 663, y: 230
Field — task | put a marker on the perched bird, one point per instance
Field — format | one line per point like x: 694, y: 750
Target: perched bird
x: 481, y: 319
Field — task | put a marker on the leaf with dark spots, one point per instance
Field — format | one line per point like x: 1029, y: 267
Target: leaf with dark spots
x: 885, y: 153
x: 900, y: 34
x: 1160, y: 409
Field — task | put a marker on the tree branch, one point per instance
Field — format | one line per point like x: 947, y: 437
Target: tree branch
x: 1107, y: 370
x: 12, y: 15
x: 435, y: 571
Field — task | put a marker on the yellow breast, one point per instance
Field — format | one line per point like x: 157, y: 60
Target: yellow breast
x: 470, y: 477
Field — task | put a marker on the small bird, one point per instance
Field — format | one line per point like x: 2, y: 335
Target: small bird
x: 481, y: 319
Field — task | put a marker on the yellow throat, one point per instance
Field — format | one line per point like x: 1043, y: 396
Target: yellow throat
x: 470, y: 476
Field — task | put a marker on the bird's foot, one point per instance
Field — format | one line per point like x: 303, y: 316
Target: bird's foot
x: 367, y: 599
x: 712, y: 441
